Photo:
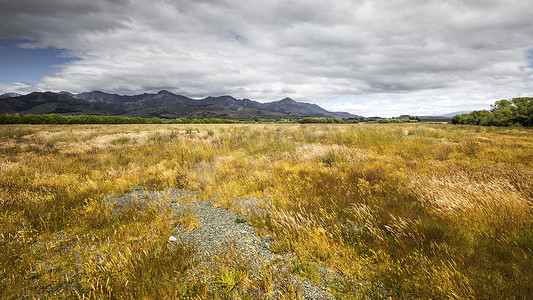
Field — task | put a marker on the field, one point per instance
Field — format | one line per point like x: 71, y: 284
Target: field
x: 400, y: 210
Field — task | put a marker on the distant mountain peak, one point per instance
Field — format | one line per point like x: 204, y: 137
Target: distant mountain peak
x: 221, y: 97
x: 10, y: 95
x: 286, y: 99
x: 164, y: 92
x: 452, y: 114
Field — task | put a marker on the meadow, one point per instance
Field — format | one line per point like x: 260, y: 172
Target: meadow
x: 401, y: 210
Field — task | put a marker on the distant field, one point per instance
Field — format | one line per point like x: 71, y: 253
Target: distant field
x: 400, y: 210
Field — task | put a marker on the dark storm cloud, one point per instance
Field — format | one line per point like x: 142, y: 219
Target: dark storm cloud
x: 47, y: 22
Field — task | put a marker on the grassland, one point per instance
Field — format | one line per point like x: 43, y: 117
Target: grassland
x: 404, y: 210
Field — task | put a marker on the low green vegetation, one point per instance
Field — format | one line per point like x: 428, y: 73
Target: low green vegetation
x: 240, y: 220
x: 410, y: 211
x: 516, y: 111
x: 88, y: 119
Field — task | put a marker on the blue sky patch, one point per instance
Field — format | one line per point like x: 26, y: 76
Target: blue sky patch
x: 27, y: 65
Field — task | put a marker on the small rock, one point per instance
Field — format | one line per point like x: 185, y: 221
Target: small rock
x: 172, y: 239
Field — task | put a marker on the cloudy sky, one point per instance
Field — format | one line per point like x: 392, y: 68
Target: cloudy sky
x: 384, y: 58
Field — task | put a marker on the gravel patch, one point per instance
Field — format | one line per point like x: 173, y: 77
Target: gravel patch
x: 218, y: 231
x: 219, y: 226
x: 221, y: 229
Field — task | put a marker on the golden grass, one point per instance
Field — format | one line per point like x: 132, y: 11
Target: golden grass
x: 188, y: 219
x: 408, y: 210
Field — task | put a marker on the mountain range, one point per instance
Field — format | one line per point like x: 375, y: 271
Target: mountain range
x: 163, y: 105
x: 452, y: 114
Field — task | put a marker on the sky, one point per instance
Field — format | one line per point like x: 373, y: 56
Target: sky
x: 371, y: 58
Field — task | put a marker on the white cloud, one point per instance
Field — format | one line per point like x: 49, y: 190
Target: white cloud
x: 417, y: 57
x: 21, y: 88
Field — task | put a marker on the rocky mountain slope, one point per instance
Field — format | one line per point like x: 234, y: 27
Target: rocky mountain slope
x: 163, y: 104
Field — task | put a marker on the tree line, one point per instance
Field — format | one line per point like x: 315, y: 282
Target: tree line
x: 89, y: 119
x: 516, y: 111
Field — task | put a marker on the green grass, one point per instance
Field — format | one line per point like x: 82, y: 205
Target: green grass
x: 240, y: 220
x: 229, y: 279
x: 305, y: 269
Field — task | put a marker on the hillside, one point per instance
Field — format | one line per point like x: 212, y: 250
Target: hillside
x: 163, y: 105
